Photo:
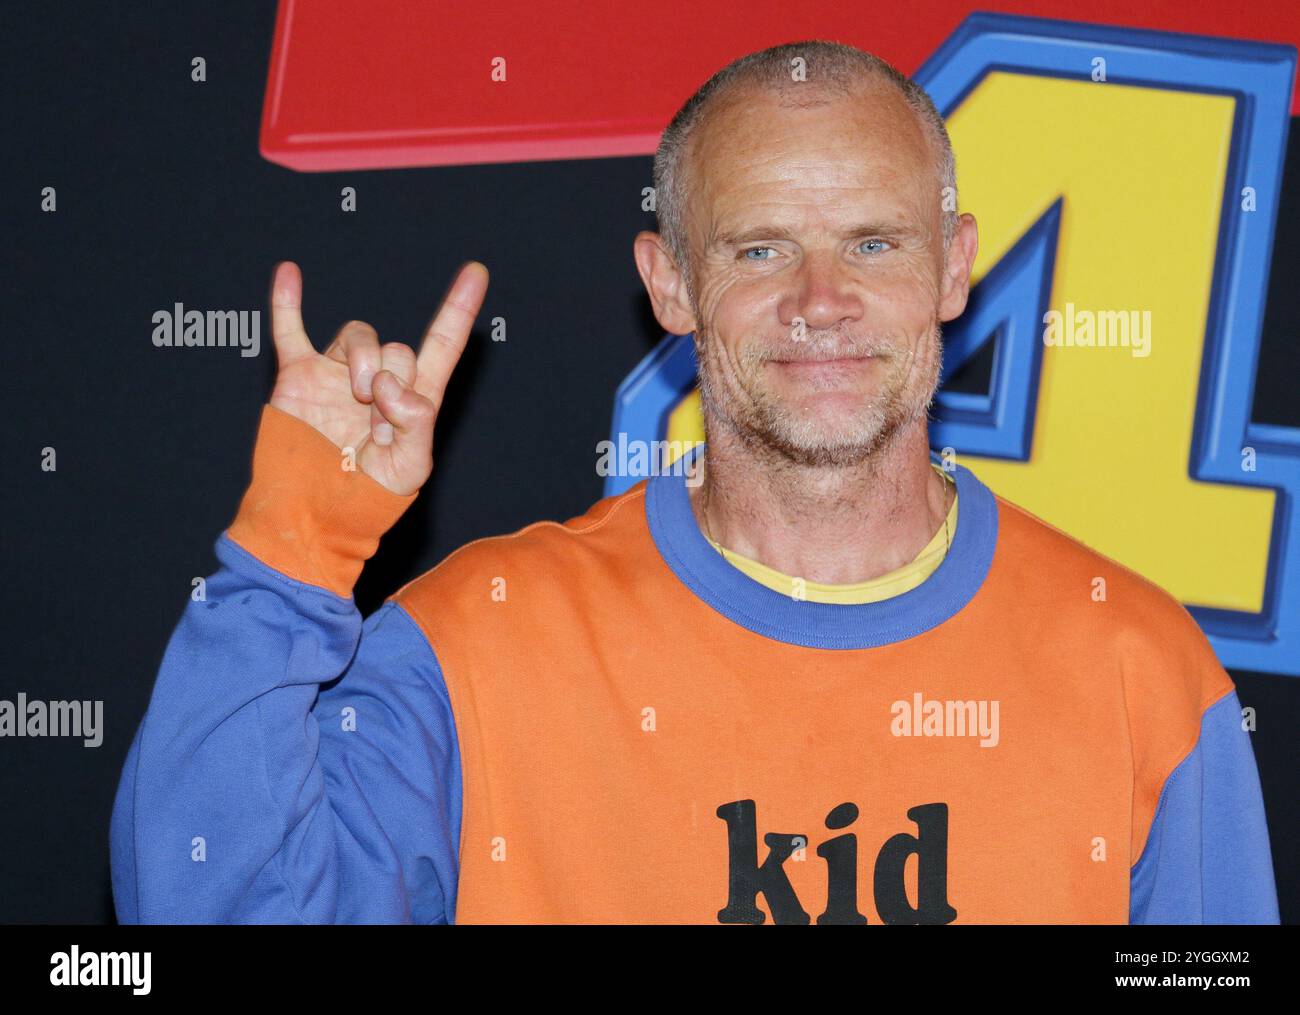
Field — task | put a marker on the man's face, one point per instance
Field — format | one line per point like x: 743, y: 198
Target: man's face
x: 817, y: 257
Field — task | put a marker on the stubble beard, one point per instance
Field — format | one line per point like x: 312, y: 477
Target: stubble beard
x: 744, y: 406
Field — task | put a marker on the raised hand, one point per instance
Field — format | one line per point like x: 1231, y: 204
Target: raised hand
x: 380, y: 400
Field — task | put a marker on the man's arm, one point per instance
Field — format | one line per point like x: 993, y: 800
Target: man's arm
x: 252, y: 795
x: 1207, y: 858
x: 293, y: 767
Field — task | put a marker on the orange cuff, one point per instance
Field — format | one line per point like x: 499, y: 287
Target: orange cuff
x: 305, y: 515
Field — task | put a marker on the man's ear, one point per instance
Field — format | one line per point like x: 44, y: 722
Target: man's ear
x: 956, y: 273
x: 664, y: 283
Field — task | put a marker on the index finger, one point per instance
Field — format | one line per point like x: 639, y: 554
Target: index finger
x: 448, y: 332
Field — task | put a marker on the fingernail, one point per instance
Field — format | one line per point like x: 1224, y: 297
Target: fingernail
x: 364, y: 380
x: 383, y: 433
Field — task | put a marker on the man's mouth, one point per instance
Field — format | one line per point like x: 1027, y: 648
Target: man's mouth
x: 828, y: 372
x: 829, y: 359
x: 818, y: 354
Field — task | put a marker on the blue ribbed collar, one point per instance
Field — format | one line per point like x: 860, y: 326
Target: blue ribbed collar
x: 824, y: 625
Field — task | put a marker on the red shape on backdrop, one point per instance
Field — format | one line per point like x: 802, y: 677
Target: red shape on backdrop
x: 365, y: 84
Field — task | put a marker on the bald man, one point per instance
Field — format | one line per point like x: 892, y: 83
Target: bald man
x: 815, y: 676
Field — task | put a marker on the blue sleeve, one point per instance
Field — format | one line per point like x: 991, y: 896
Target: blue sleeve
x: 1207, y: 858
x: 295, y: 765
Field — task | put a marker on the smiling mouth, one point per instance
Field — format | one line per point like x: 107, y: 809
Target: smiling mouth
x: 834, y: 361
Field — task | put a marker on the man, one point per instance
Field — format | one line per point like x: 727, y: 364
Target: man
x: 802, y: 690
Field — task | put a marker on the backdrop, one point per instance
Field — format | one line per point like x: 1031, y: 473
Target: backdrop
x: 1138, y: 158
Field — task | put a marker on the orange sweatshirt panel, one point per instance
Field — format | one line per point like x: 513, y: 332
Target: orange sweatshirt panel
x: 307, y: 516
x: 614, y: 727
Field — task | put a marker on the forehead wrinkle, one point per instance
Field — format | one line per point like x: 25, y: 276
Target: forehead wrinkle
x: 750, y: 166
x: 736, y: 217
x: 751, y: 153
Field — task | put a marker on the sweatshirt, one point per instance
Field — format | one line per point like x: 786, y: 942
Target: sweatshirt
x: 603, y: 721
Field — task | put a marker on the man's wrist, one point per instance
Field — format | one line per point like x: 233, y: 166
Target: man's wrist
x: 305, y: 514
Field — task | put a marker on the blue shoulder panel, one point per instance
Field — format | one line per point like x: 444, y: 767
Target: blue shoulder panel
x: 1207, y: 858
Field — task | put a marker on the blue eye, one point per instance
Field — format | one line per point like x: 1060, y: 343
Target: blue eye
x: 881, y: 246
x: 754, y: 249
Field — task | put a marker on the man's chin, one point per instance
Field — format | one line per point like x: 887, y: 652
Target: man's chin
x: 807, y: 444
x: 836, y: 439
x: 830, y: 456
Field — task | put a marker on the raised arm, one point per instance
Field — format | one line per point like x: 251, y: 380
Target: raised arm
x: 296, y: 764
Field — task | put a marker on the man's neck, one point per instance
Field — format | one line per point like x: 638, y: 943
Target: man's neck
x: 833, y: 525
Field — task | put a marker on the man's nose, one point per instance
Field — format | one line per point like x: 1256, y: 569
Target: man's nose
x: 825, y: 292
